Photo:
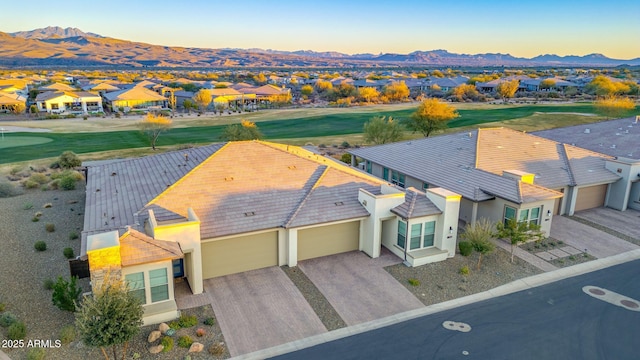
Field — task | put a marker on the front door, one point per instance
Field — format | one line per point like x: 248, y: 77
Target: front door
x: 178, y: 268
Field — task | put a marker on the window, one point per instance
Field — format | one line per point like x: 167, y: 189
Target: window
x: 368, y: 163
x: 136, y: 286
x: 397, y: 178
x: 54, y: 106
x: 534, y: 216
x: 402, y: 233
x: 425, y: 186
x: 524, y: 215
x: 429, y: 233
x: 509, y: 213
x: 385, y: 173
x: 159, y: 285
x: 416, y: 230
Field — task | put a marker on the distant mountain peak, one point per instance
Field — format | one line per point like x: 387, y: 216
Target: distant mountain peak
x: 53, y: 32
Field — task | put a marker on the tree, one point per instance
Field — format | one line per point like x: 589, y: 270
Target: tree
x: 188, y: 105
x: 466, y: 92
x: 368, y: 94
x: 112, y: 316
x: 396, y: 91
x: 507, y: 89
x: 605, y: 87
x: 154, y: 125
x: 65, y: 294
x: 346, y: 90
x: 479, y: 235
x: 323, y: 85
x: 246, y: 130
x: 203, y: 99
x: 306, y: 90
x: 437, y: 73
x: 547, y: 84
x: 380, y: 130
x: 431, y: 115
x: 614, y: 106
x: 18, y: 108
x: 33, y: 109
x: 518, y: 232
x: 260, y: 78
x: 69, y: 160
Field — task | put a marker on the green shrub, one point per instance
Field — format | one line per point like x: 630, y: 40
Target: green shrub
x: 346, y: 158
x: 2, y: 306
x: 70, y: 116
x: 50, y: 227
x: 67, y: 334
x: 27, y: 206
x: 30, y: 184
x: 55, y: 184
x: 65, y: 294
x: 466, y: 248
x: 36, y: 353
x: 167, y: 342
x: 186, y: 321
x: 69, y: 160
x: 7, y: 319
x: 39, y: 178
x: 414, y: 282
x: 17, y: 331
x: 67, y: 183
x: 35, y: 219
x: 185, y: 341
x: 209, y: 321
x: 175, y: 325
x: 40, y: 245
x: 464, y: 270
x: 73, y: 235
x: 8, y: 190
x: 68, y: 253
x: 48, y: 284
x: 15, y: 170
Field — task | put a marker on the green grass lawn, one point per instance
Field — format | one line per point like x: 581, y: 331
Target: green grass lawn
x: 329, y: 125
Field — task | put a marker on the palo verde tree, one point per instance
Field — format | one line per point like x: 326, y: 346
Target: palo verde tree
x: 202, y: 98
x: 153, y: 125
x: 518, y: 232
x: 246, y: 130
x: 380, y: 130
x: 368, y: 94
x: 110, y: 318
x: 507, y: 89
x: 614, y: 106
x: 432, y: 115
x: 479, y: 235
x: 396, y: 91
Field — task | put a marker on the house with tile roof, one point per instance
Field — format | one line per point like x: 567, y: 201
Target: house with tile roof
x: 72, y: 102
x: 135, y: 98
x: 8, y: 101
x: 240, y: 206
x: 500, y: 173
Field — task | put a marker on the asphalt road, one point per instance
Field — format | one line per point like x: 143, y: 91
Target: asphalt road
x: 554, y: 321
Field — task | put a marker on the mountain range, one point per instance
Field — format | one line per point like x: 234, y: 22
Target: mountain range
x: 55, y: 46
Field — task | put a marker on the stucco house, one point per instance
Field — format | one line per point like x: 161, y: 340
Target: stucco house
x: 240, y: 206
x: 8, y: 101
x: 81, y: 102
x: 135, y: 98
x: 500, y: 173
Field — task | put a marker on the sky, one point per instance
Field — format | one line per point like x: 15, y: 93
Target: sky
x: 522, y: 28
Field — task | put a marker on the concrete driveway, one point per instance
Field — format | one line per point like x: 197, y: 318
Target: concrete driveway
x: 358, y: 287
x: 626, y: 222
x: 581, y: 236
x: 260, y: 309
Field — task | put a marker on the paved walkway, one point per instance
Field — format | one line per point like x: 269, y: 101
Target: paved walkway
x: 625, y: 222
x: 586, y: 238
x: 260, y: 309
x: 358, y: 287
x: 526, y: 256
x: 4, y: 356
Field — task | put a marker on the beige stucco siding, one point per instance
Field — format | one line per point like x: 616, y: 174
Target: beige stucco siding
x: 328, y: 240
x: 238, y: 254
x: 591, y: 197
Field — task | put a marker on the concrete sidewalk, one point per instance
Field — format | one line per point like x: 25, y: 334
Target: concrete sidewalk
x: 515, y: 286
x: 586, y: 238
x: 526, y: 256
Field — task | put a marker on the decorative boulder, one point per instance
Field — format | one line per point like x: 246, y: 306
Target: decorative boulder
x: 196, y: 347
x: 156, y: 349
x: 163, y: 328
x: 154, y: 335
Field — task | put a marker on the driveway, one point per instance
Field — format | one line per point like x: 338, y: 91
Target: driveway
x: 625, y: 222
x: 260, y: 309
x: 581, y: 237
x: 358, y: 287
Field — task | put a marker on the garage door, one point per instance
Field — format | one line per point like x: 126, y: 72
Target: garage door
x: 591, y: 197
x: 230, y: 256
x: 328, y: 240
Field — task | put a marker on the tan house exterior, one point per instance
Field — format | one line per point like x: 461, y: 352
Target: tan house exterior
x: 135, y: 98
x: 59, y: 102
x: 247, y: 205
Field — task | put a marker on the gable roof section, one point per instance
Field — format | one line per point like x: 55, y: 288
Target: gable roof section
x: 138, y: 248
x: 58, y: 87
x: 416, y: 204
x: 250, y: 186
x: 588, y: 167
x: 134, y: 93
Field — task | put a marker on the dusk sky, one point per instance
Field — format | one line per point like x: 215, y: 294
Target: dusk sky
x: 522, y: 28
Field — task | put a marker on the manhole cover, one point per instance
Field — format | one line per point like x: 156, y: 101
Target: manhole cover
x: 630, y: 304
x: 596, y: 291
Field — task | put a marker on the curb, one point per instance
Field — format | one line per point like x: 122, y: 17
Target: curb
x: 512, y: 287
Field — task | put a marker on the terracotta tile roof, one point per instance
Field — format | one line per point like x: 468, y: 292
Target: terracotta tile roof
x: 137, y: 248
x: 134, y: 93
x: 58, y: 87
x: 416, y: 204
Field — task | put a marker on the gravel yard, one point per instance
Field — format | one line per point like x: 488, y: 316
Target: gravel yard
x: 442, y: 281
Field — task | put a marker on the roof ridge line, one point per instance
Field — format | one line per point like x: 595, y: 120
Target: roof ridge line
x: 565, y: 159
x: 306, y: 196
x: 154, y: 242
x: 477, y: 146
x: 412, y: 204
